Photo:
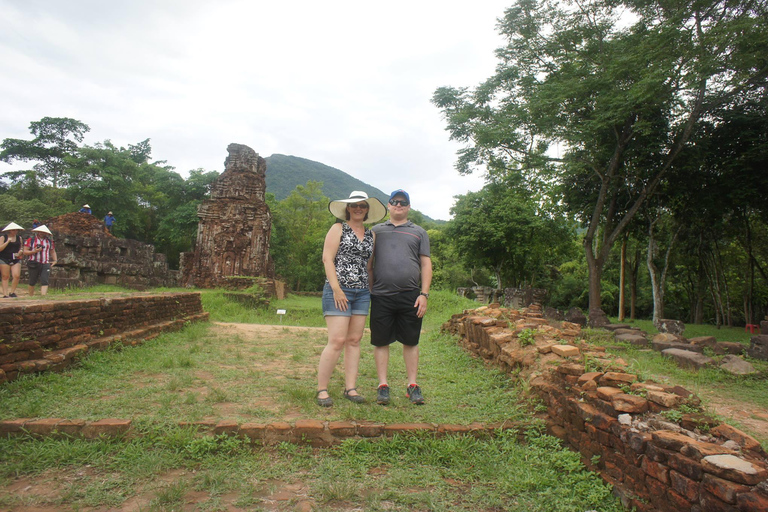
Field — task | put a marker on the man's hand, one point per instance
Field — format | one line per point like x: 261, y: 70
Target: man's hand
x: 421, y: 305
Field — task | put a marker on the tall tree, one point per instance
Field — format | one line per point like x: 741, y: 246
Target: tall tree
x: 619, y: 103
x: 502, y: 229
x: 56, y: 138
x: 299, y: 223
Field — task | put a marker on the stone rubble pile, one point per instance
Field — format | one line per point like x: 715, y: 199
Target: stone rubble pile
x: 617, y: 422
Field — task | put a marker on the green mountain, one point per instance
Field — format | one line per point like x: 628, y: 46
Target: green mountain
x: 284, y: 173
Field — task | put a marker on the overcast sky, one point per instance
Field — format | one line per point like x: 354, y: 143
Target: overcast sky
x: 345, y: 83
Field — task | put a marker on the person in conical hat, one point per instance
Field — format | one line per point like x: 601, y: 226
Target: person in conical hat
x: 42, y: 257
x: 10, y: 258
x: 346, y: 254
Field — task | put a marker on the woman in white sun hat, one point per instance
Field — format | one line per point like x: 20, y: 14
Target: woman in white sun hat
x: 42, y: 256
x: 10, y: 257
x: 346, y: 297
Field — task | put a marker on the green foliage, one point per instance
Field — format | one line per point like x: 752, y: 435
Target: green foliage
x: 526, y: 337
x: 299, y: 226
x: 503, y: 229
x: 55, y: 139
x: 618, y: 103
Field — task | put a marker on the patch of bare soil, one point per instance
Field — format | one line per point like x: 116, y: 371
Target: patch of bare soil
x: 752, y: 419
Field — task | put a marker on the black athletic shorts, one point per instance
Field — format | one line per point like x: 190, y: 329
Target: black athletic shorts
x: 393, y: 318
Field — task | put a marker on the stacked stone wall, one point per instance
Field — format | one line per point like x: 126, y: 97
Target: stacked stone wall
x: 612, y: 420
x: 49, y: 335
x: 88, y: 261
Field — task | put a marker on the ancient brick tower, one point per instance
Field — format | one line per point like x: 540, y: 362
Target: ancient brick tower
x: 235, y: 225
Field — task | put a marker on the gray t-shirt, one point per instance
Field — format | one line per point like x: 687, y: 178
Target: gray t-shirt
x: 397, y: 257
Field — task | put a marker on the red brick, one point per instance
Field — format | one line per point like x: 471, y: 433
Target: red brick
x: 687, y: 466
x: 752, y: 502
x: 370, y: 429
x: 614, y: 471
x: 723, y: 489
x: 746, y: 441
x: 637, y: 441
x: 406, y: 428
x: 253, y: 431
x: 657, y: 492
x: 226, y: 427
x: 623, y: 402
x: 12, y: 427
x: 698, y: 450
x: 709, y: 503
x: 108, y: 427
x: 574, y: 369
x: 309, y: 428
x: 678, y: 502
x: 607, y: 392
x: 617, y: 379
x: 588, y: 413
x: 454, y: 429
x: 669, y: 440
x: 70, y: 427
x: 684, y: 486
x: 342, y: 429
x: 658, y: 471
x: 42, y: 427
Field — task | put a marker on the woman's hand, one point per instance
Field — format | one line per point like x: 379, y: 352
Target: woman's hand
x: 340, y: 300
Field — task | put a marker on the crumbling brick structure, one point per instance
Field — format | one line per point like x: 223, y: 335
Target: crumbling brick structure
x: 235, y: 225
x: 614, y: 420
x: 89, y: 255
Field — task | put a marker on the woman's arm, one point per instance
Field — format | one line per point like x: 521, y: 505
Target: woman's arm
x: 330, y: 248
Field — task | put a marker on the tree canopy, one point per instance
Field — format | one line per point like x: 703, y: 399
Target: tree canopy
x: 599, y: 108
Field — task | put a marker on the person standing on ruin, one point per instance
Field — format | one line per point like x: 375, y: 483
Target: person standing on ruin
x: 10, y: 257
x: 109, y: 220
x: 41, y: 254
x: 346, y: 296
x: 402, y: 275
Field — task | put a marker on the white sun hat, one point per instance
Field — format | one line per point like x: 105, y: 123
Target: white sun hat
x: 13, y: 226
x: 376, y: 210
x: 43, y: 229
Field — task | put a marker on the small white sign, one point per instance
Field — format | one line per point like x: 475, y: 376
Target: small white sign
x: 280, y: 311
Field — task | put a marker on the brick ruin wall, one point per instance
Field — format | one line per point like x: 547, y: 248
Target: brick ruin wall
x: 612, y: 420
x: 235, y: 225
x: 89, y: 255
x: 50, y: 335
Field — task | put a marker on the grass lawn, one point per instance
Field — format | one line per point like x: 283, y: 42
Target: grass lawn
x: 253, y: 373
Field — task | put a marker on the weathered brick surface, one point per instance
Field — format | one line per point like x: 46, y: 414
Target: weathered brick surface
x: 47, y: 335
x: 656, y: 470
x: 109, y: 427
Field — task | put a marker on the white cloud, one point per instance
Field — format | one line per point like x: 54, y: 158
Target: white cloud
x: 346, y: 83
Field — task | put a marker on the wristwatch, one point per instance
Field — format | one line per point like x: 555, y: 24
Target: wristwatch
x: 424, y: 294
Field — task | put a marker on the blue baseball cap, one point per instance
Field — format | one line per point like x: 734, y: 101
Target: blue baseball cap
x: 400, y: 192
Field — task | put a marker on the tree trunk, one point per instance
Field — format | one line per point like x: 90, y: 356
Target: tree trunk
x: 622, y: 278
x: 595, y: 266
x: 633, y: 269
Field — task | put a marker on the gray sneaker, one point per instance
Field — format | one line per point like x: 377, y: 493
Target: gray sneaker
x: 382, y: 395
x: 413, y: 392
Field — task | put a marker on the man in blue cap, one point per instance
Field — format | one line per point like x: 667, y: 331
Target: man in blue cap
x: 401, y: 276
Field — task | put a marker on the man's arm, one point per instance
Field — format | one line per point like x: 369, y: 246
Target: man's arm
x: 426, y: 282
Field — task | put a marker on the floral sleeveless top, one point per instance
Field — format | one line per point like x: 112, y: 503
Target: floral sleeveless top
x: 352, y: 258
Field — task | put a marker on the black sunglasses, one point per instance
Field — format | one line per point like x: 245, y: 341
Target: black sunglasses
x: 364, y: 206
x: 396, y: 202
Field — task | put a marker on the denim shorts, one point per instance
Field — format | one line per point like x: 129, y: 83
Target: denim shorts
x: 359, y: 301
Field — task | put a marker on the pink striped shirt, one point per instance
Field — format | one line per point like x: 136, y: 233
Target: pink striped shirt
x: 43, y: 256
